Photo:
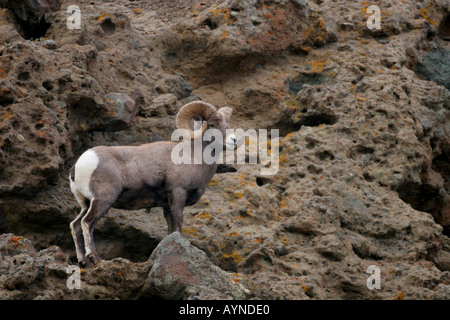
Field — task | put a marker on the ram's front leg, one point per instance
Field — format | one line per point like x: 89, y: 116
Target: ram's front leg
x: 177, y: 200
x: 170, y: 220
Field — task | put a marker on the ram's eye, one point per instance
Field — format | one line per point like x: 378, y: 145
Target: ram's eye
x: 212, y: 125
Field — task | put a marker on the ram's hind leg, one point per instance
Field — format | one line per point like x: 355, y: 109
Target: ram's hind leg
x: 97, y: 209
x: 77, y: 233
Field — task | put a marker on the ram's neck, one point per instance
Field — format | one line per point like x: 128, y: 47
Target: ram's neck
x: 209, y: 168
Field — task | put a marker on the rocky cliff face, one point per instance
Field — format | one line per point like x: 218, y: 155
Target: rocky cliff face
x: 364, y: 148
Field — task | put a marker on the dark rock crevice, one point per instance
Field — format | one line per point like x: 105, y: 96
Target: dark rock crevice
x: 444, y: 29
x: 422, y: 197
x: 431, y: 194
x: 31, y: 15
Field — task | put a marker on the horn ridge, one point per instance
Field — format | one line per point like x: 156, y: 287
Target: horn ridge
x: 188, y: 111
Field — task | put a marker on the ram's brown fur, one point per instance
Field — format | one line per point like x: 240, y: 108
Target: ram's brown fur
x: 135, y: 177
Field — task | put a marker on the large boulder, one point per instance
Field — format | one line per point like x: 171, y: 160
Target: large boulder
x: 182, y: 271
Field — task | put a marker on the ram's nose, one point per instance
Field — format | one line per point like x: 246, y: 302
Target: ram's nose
x: 233, y: 139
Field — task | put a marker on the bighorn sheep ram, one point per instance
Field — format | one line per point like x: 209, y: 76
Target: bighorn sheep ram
x: 136, y: 177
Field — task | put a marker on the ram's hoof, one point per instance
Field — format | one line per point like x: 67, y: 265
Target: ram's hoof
x: 84, y: 263
x: 93, y: 259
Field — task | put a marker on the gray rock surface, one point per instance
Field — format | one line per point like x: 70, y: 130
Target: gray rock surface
x: 182, y: 271
x: 435, y: 66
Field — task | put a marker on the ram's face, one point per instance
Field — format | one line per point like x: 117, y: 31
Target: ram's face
x: 220, y: 120
x: 198, y: 116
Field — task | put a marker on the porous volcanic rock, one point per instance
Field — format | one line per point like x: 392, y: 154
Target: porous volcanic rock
x: 363, y: 176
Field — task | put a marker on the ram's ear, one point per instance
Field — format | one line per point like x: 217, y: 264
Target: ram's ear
x: 226, y: 112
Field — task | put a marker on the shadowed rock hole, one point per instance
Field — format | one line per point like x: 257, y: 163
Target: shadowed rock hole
x: 208, y: 22
x: 131, y: 244
x: 324, y: 155
x: 287, y: 126
x: 23, y: 76
x: 29, y: 31
x: 444, y: 29
x: 368, y: 177
x: 260, y: 181
x: 108, y: 26
x: 6, y: 102
x: 315, y: 120
x: 442, y: 166
x: 426, y: 198
x: 48, y: 85
x: 224, y: 168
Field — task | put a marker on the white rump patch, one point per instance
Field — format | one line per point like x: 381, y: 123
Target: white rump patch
x: 84, y: 168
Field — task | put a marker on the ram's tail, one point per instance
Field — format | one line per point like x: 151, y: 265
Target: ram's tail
x: 72, y: 174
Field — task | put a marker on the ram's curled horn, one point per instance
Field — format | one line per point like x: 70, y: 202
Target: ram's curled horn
x: 188, y: 111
